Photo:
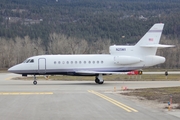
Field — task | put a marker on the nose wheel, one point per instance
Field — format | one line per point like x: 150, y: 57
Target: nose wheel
x: 35, y: 82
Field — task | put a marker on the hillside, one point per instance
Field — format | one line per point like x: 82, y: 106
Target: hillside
x: 88, y: 19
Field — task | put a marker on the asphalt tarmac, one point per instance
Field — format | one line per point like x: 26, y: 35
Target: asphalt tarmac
x: 76, y: 100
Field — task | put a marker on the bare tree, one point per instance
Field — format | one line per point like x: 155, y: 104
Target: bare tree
x: 37, y: 46
x: 60, y: 44
x: 57, y: 44
x: 6, y: 56
x: 77, y: 46
x: 171, y: 54
x: 100, y: 46
x: 25, y: 47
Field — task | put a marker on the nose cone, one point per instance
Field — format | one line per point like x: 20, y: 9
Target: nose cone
x: 11, y: 69
x: 14, y: 69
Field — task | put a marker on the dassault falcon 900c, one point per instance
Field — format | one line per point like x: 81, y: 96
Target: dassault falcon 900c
x: 121, y: 59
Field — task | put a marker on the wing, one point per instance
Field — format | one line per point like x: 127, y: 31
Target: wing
x: 97, y: 72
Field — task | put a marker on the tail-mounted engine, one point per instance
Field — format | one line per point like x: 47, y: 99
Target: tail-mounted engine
x: 123, y: 55
x: 124, y: 60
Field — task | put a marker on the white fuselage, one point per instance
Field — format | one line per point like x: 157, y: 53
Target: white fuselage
x: 79, y: 64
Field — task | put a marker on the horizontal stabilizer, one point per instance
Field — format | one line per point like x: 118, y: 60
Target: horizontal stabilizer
x: 157, y: 46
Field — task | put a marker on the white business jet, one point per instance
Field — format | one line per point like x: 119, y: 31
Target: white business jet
x: 121, y: 59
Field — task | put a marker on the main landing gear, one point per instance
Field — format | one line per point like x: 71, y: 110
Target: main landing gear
x: 35, y: 82
x: 99, y: 79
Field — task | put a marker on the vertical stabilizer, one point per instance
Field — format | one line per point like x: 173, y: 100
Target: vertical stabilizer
x: 152, y: 36
x: 149, y: 43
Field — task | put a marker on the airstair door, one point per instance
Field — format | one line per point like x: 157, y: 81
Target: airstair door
x: 42, y: 66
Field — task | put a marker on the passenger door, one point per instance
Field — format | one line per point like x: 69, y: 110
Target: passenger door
x: 42, y: 66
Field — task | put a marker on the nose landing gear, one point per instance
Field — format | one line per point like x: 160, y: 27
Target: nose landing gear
x: 35, y: 82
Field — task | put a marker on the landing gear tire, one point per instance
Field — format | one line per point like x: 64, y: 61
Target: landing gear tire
x: 96, y: 80
x: 99, y: 81
x: 35, y: 82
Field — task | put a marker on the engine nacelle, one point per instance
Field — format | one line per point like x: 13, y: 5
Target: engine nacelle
x: 123, y: 60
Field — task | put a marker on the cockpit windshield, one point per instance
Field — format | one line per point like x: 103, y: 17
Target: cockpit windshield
x: 32, y: 60
x: 29, y: 61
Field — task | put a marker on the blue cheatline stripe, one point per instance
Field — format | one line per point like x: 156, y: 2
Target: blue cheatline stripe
x: 62, y: 71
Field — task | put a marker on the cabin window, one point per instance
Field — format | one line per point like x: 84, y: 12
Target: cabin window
x: 54, y: 62
x: 59, y: 62
x: 93, y: 62
x: 97, y: 62
x: 102, y: 62
x: 32, y: 61
x: 84, y: 62
x: 67, y: 62
x: 79, y: 62
x: 89, y: 62
x: 63, y: 62
x: 71, y: 62
x: 75, y: 62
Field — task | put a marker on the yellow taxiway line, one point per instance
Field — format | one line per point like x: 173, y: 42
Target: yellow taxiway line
x: 26, y: 93
x: 121, y: 105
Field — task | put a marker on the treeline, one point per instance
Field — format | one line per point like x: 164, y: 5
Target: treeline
x: 14, y: 51
x: 88, y: 19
